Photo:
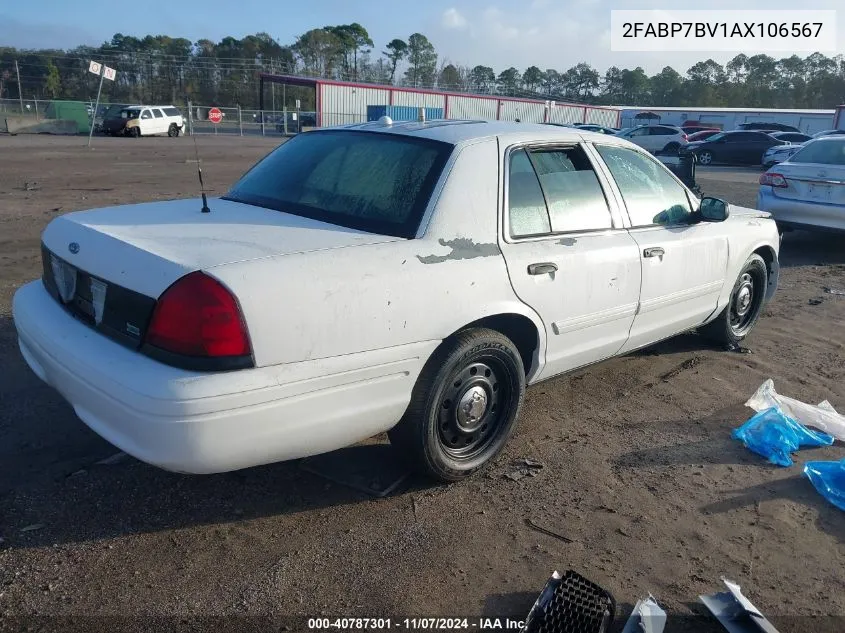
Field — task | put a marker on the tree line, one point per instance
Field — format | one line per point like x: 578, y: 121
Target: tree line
x: 159, y: 68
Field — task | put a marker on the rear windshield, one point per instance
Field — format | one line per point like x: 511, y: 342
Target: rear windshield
x: 374, y: 182
x: 821, y: 153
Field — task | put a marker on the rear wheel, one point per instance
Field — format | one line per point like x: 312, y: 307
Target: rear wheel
x: 745, y: 305
x: 173, y: 130
x: 705, y: 158
x: 671, y: 148
x: 464, y: 406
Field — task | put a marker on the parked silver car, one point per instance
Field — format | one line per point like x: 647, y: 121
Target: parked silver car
x: 808, y: 190
x: 779, y: 153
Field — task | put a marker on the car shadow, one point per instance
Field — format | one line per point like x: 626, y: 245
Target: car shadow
x: 805, y: 248
x: 797, y: 489
x: 54, y: 490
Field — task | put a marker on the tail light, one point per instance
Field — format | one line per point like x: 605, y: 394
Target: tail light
x: 198, y: 317
x: 773, y: 180
x: 684, y: 136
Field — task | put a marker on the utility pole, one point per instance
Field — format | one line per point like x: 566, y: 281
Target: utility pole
x: 20, y: 92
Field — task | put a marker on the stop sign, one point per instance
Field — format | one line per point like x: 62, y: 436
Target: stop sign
x: 215, y: 115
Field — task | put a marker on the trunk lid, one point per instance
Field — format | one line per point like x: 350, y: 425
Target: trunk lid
x: 108, y: 266
x: 146, y: 247
x: 811, y: 182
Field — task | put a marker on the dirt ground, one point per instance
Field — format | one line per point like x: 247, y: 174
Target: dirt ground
x: 639, y: 469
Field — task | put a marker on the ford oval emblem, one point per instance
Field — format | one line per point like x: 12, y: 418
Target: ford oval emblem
x: 73, y: 247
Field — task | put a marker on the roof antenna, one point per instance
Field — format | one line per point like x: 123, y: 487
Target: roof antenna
x: 205, y: 208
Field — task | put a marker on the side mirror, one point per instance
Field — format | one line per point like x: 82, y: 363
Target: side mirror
x: 713, y: 209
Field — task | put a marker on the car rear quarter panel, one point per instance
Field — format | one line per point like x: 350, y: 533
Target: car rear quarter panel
x: 329, y: 303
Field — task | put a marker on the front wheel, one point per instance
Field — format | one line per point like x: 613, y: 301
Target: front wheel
x: 705, y: 158
x: 173, y: 130
x: 744, y: 307
x: 135, y: 132
x: 464, y: 406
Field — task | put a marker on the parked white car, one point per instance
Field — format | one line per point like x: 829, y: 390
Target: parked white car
x: 403, y: 277
x: 656, y: 138
x: 144, y: 121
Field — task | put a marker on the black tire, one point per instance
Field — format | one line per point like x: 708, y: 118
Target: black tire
x: 173, y: 130
x: 480, y: 369
x: 705, y: 158
x: 745, y: 306
x: 671, y: 148
x: 135, y: 132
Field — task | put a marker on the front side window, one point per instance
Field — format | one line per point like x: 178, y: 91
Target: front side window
x: 146, y: 115
x: 651, y: 194
x: 374, y: 182
x: 158, y: 114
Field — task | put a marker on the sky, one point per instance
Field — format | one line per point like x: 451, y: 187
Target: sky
x: 520, y: 33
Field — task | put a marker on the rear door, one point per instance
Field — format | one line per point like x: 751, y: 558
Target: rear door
x: 568, y: 254
x: 757, y: 144
x: 683, y: 265
x: 660, y: 137
x: 160, y: 121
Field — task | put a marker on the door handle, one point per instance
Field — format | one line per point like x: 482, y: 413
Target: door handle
x: 541, y: 268
x: 654, y: 251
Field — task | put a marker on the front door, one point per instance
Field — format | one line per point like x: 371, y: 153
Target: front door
x: 146, y: 122
x: 568, y: 255
x: 683, y: 265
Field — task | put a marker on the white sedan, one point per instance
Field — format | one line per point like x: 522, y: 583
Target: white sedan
x: 402, y: 277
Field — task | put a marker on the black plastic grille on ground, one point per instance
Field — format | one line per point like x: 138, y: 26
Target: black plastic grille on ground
x: 575, y: 606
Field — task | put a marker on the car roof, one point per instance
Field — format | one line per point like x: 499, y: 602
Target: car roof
x: 458, y: 132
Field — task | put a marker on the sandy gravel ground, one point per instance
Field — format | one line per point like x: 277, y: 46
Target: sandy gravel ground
x: 639, y: 468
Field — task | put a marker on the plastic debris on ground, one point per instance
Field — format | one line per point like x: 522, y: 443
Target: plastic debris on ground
x: 775, y: 435
x: 647, y: 617
x: 822, y: 416
x: 571, y: 604
x: 828, y: 478
x: 735, y: 612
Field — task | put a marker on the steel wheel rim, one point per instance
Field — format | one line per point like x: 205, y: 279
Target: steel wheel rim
x: 473, y: 407
x: 744, y: 303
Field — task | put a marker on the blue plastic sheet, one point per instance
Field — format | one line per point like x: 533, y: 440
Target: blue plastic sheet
x: 774, y: 435
x: 829, y: 479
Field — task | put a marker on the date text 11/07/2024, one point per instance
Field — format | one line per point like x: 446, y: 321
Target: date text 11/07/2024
x: 415, y: 624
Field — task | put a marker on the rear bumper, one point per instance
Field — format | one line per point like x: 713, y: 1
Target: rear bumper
x: 211, y: 422
x: 800, y: 213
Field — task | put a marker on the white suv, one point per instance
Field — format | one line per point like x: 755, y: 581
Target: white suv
x: 145, y: 121
x: 656, y: 138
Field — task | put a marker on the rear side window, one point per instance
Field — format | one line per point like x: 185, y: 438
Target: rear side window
x: 526, y: 205
x: 663, y: 131
x: 573, y: 194
x: 554, y: 191
x: 651, y: 194
x: 374, y: 182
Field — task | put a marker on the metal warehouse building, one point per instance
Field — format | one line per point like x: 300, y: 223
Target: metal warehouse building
x: 808, y: 121
x: 339, y: 102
